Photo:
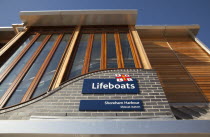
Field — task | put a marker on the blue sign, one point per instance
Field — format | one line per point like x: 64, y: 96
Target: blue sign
x: 107, y: 86
x: 111, y: 105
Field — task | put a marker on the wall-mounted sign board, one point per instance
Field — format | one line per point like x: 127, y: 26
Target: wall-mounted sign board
x: 111, y: 105
x: 109, y: 86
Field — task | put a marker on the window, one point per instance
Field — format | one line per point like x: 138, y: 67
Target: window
x: 102, y: 48
x: 29, y: 71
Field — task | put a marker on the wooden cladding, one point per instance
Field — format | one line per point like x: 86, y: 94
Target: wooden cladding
x: 196, y: 62
x: 181, y: 64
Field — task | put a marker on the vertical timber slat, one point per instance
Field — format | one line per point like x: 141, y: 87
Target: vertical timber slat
x: 142, y: 53
x: 88, y: 55
x: 134, y: 52
x: 11, y: 42
x: 103, y: 52
x: 120, y: 61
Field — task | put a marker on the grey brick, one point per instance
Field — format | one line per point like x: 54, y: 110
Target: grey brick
x: 72, y: 114
x: 135, y: 114
x: 155, y: 99
x: 158, y: 107
x: 153, y: 110
x: 149, y: 96
x: 84, y: 114
x: 150, y: 103
x: 148, y: 114
x: 109, y: 114
x: 93, y: 97
x: 66, y: 101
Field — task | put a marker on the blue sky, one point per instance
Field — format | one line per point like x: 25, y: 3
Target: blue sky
x: 150, y: 12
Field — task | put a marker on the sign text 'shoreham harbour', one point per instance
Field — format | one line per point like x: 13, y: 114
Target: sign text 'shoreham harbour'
x: 111, y: 105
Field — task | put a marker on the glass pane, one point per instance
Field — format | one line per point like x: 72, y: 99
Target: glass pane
x: 51, y: 68
x: 79, y: 58
x: 29, y: 77
x: 16, y: 70
x: 126, y: 51
x: 111, y: 52
x: 16, y: 53
x: 95, y: 53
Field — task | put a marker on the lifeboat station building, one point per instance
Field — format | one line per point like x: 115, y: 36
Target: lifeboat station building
x: 97, y: 73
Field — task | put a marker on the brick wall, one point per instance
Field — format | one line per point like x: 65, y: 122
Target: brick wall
x: 64, y: 101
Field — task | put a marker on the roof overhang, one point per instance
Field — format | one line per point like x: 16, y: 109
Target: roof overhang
x: 167, y: 30
x: 78, y: 17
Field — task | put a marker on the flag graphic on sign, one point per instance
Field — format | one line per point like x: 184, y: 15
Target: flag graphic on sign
x: 123, y: 77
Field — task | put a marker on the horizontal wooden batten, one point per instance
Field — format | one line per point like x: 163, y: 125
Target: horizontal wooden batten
x: 21, y: 75
x: 42, y: 69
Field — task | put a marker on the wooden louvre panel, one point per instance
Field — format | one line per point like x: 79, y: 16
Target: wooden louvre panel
x: 17, y: 59
x: 39, y: 74
x: 177, y: 83
x: 21, y: 75
x: 195, y: 60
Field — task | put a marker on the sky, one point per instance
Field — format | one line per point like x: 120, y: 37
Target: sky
x: 150, y: 12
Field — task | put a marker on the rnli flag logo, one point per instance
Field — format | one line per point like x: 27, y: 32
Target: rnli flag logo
x: 123, y: 77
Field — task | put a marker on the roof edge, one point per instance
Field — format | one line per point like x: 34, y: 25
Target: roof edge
x: 79, y: 17
x: 72, y: 12
x: 193, y: 28
x: 190, y: 26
